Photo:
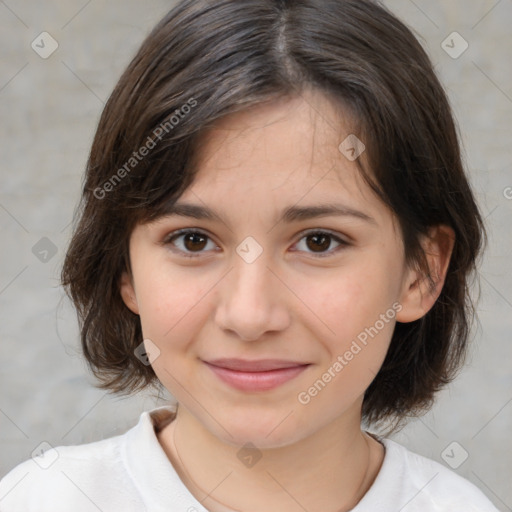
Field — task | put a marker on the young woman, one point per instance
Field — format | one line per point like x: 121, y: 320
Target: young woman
x: 277, y: 228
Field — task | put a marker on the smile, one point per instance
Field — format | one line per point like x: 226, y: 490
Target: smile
x: 262, y: 375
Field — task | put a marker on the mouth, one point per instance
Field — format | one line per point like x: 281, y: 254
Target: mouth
x: 258, y: 375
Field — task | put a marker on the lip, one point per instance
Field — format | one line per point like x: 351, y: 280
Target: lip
x: 257, y: 375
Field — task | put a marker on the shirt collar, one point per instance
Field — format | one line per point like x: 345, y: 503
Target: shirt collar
x: 150, y: 469
x: 161, y: 488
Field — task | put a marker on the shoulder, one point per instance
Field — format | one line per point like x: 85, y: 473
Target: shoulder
x: 86, y: 476
x: 428, y: 485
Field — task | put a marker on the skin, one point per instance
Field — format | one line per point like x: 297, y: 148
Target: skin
x: 288, y: 304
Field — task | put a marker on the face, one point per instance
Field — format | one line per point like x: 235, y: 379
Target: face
x: 271, y: 322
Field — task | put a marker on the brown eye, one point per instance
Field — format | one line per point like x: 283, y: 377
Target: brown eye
x: 188, y: 243
x: 319, y: 242
x: 194, y: 241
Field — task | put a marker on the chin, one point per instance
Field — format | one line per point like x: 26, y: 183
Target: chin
x: 265, y: 431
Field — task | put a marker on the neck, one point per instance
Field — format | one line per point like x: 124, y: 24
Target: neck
x: 330, y: 470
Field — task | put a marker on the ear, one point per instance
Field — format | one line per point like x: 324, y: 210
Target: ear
x: 128, y: 292
x: 418, y: 294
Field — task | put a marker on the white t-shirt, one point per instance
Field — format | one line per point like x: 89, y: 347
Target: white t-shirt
x: 132, y: 473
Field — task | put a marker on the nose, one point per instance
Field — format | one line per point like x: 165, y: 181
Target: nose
x: 252, y: 301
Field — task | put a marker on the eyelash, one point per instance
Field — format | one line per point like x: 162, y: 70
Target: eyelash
x: 176, y: 234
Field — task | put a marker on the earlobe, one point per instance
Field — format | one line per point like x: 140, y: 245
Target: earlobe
x: 419, y: 293
x: 127, y: 291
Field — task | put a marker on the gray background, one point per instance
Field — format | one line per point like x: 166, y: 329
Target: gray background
x: 49, y: 109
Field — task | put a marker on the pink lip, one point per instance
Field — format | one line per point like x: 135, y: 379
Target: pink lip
x: 261, y: 375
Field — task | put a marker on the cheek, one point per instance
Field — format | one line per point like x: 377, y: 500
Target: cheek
x: 170, y: 305
x: 349, y: 300
x: 363, y: 314
x: 358, y: 308
x: 173, y: 308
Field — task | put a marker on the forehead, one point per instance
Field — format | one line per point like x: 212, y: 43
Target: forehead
x: 278, y: 138
x: 286, y: 150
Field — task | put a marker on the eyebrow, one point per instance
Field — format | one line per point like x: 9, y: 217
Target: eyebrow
x: 288, y: 215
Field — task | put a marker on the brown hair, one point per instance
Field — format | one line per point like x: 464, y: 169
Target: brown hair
x: 207, y: 59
